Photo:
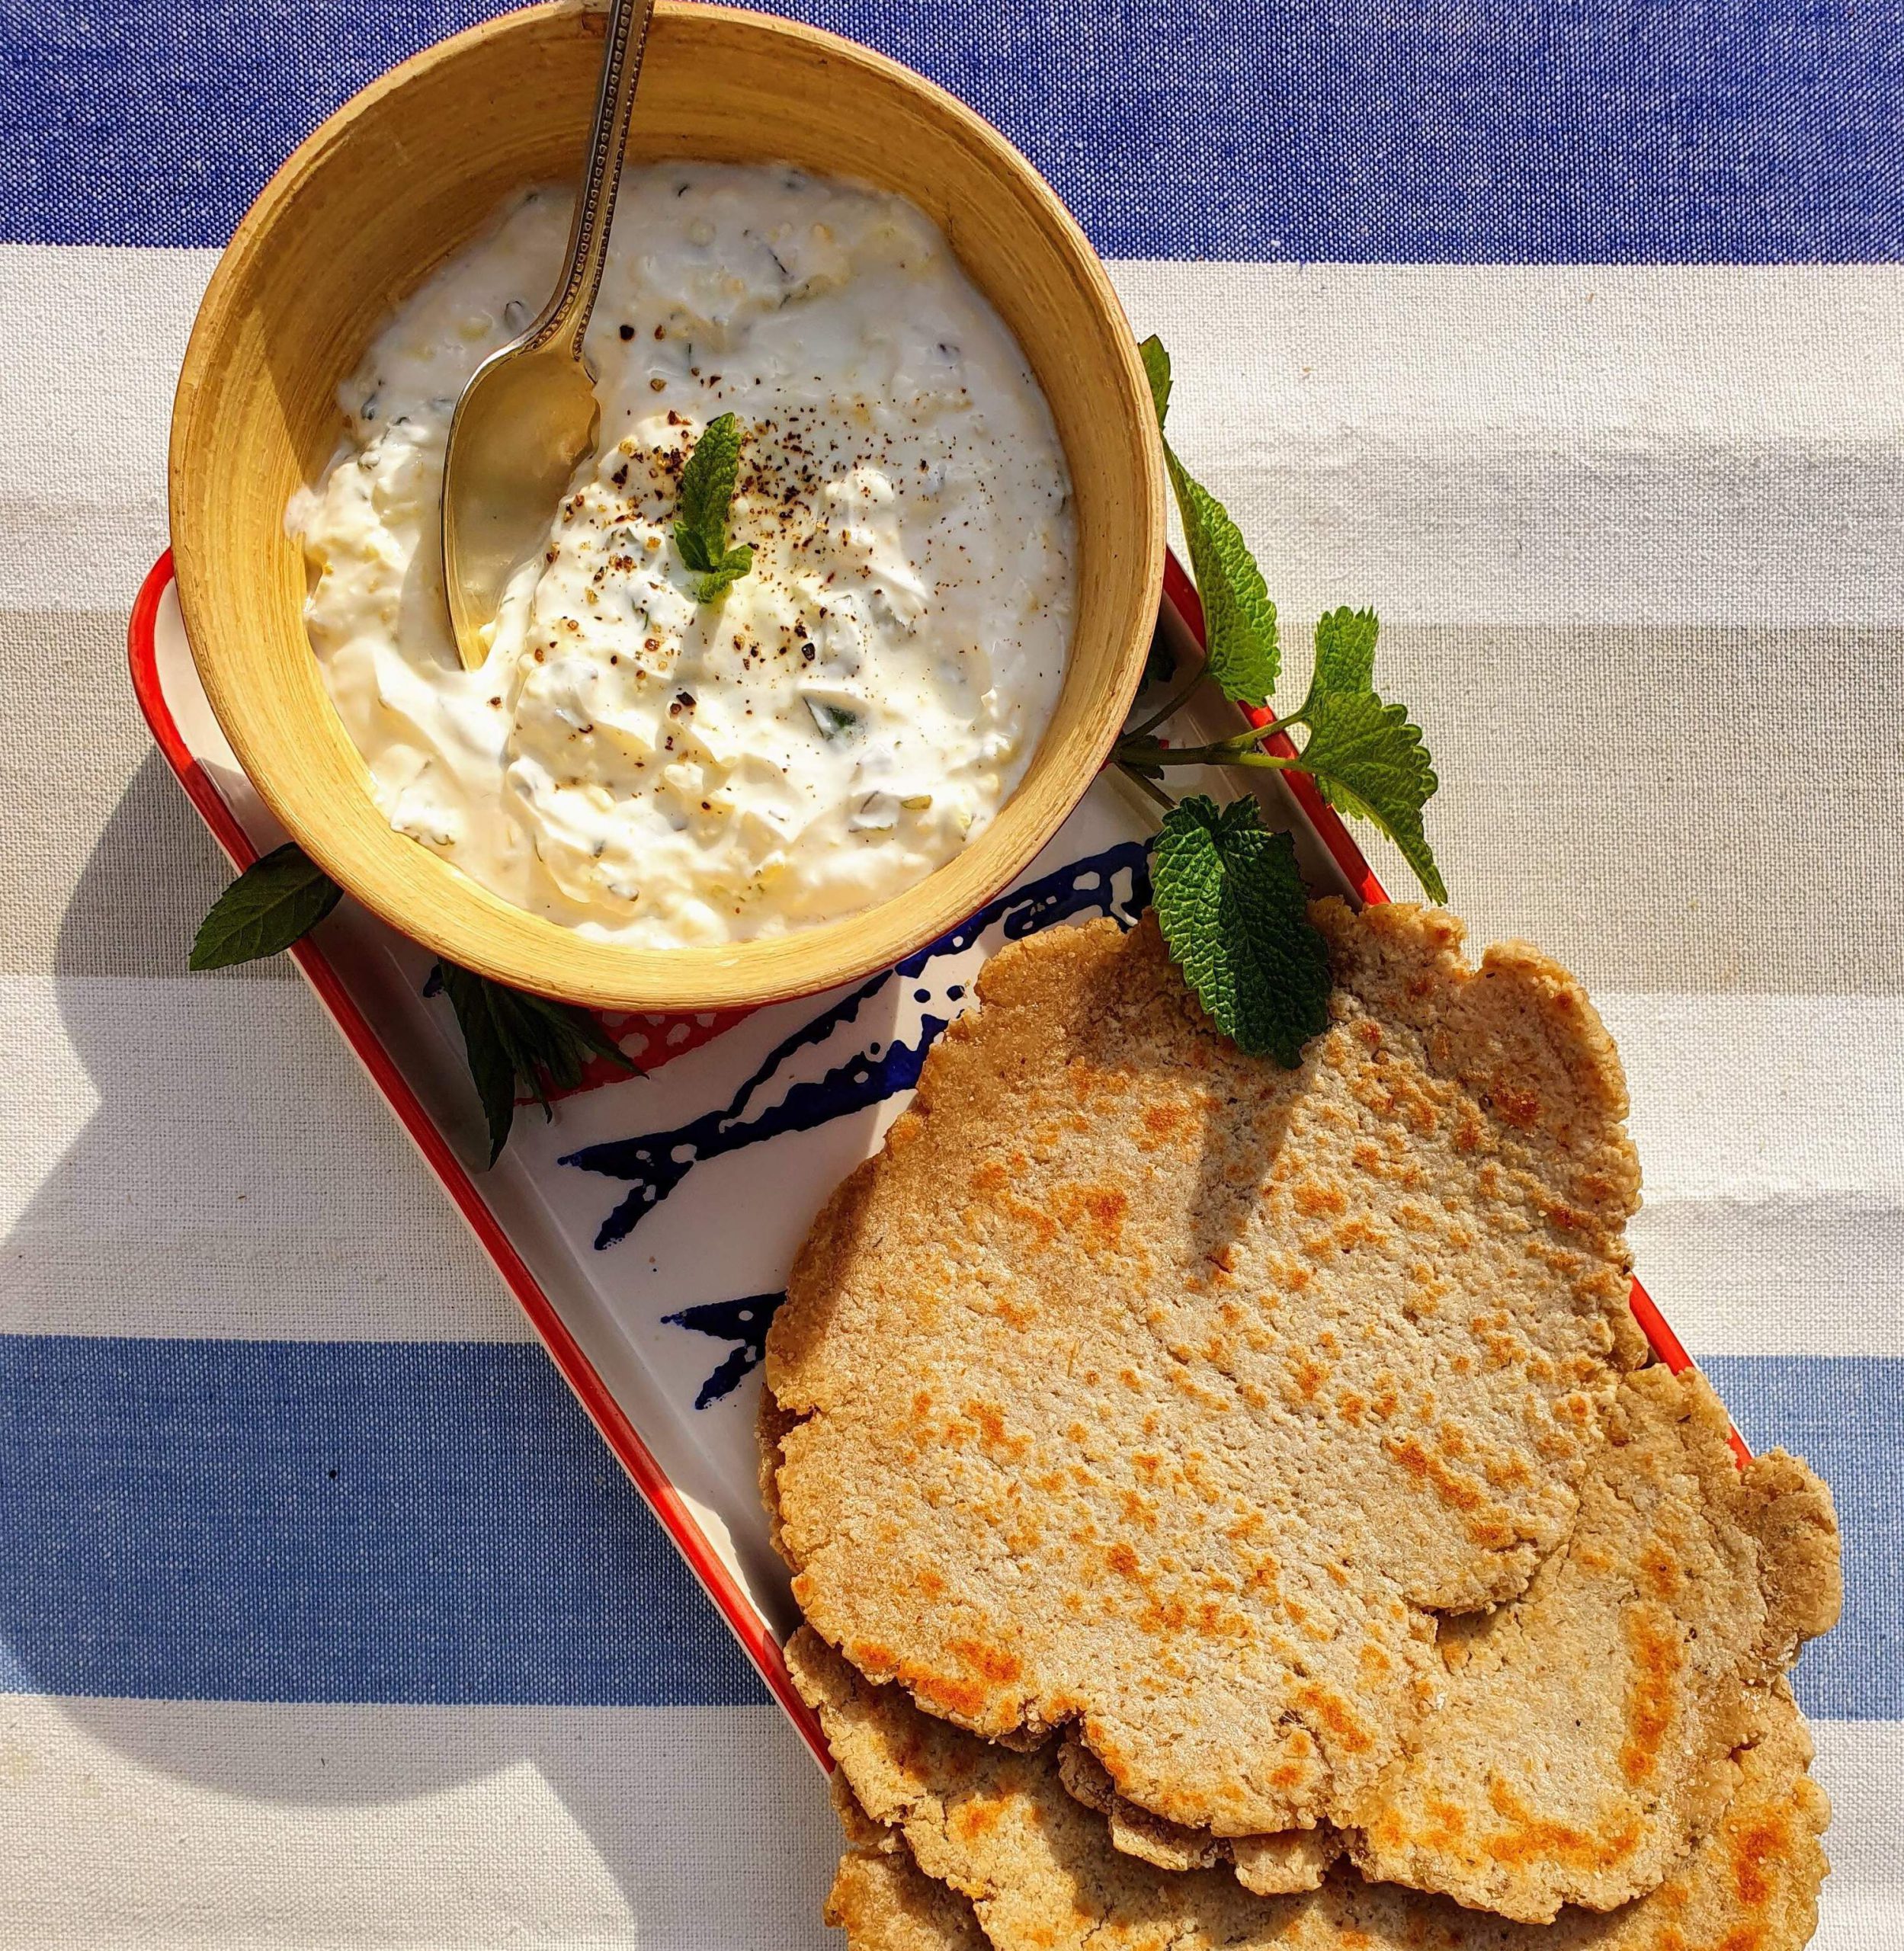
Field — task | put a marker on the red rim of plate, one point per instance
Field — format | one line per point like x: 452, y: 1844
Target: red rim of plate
x: 617, y: 1430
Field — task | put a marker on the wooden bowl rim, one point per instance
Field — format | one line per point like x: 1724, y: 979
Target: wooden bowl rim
x: 563, y: 962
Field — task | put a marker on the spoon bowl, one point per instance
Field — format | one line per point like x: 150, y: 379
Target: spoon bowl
x: 524, y: 423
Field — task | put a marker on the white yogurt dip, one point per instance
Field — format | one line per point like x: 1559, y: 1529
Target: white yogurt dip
x: 655, y: 770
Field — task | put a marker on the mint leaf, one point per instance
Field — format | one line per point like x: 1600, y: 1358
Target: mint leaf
x: 1239, y: 620
x: 275, y: 902
x: 491, y: 1068
x: 706, y: 494
x: 1235, y: 915
x: 1157, y: 370
x: 1345, y: 653
x: 725, y: 573
x: 520, y: 1044
x: 1370, y: 761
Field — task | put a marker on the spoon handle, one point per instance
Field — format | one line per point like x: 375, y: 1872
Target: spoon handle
x: 566, y: 319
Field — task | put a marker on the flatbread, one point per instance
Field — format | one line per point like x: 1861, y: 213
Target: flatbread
x: 887, y: 1903
x: 1582, y: 1744
x: 1149, y: 1388
x: 1270, y: 1866
x: 1584, y: 1738
x: 770, y: 1423
x: 1035, y: 1869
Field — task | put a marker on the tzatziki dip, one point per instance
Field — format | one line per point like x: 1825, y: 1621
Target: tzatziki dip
x: 657, y: 770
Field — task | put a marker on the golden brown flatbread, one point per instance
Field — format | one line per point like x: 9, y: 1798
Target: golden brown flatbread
x: 886, y: 1902
x: 1584, y: 1738
x: 1148, y: 1389
x: 1035, y: 1871
x: 772, y: 1423
x: 1270, y: 1866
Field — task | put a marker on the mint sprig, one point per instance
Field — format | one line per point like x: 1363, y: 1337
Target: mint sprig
x: 1364, y: 754
x: 1239, y: 620
x: 1235, y: 914
x: 276, y: 900
x: 707, y: 496
x: 518, y: 1045
x: 1227, y: 892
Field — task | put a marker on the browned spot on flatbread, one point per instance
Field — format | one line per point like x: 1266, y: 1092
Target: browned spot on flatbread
x: 1530, y: 1839
x: 1658, y: 1660
x: 1332, y: 1710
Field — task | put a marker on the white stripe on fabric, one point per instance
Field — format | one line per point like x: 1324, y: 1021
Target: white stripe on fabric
x: 1750, y: 1097
x: 1861, y: 1765
x: 96, y: 336
x: 195, y: 1157
x: 1547, y: 444
x: 316, y: 1829
x: 1452, y: 444
x: 1768, y: 1135
x: 1793, y: 1276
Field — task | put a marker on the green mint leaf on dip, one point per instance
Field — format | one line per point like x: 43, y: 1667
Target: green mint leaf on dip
x: 275, y: 902
x: 1235, y: 915
x: 706, y: 495
x: 520, y: 1046
x: 1364, y: 754
x: 728, y: 570
x: 1239, y: 620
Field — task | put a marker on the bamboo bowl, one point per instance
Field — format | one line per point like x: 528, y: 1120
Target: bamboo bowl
x: 407, y: 174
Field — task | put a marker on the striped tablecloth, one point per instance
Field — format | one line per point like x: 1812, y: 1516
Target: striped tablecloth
x: 1567, y: 332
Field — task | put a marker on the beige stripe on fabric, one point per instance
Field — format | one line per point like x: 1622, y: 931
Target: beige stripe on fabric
x: 190, y: 1157
x: 1694, y: 809
x: 107, y: 868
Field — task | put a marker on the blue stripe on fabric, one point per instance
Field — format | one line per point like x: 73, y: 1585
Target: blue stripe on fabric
x: 437, y: 1522
x: 248, y: 1521
x: 1845, y: 1417
x: 1443, y: 131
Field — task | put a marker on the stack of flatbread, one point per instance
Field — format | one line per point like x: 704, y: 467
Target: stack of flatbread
x: 1234, y: 1506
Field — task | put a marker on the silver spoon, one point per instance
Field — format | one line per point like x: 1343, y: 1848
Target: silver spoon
x: 529, y: 413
